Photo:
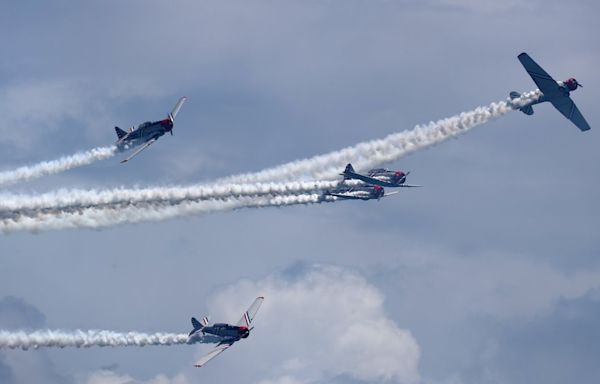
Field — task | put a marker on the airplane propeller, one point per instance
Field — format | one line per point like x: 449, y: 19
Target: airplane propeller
x: 172, y: 119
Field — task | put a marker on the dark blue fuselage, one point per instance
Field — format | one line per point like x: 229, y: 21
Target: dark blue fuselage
x: 144, y: 132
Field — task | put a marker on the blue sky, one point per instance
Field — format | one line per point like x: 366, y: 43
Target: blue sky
x: 488, y: 274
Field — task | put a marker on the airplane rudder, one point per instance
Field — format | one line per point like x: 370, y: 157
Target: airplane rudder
x: 196, y: 324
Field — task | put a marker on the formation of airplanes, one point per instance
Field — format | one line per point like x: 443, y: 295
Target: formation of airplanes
x: 372, y: 186
x: 374, y: 181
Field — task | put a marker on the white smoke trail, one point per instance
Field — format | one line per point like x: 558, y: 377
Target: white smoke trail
x: 96, y: 209
x: 375, y: 152
x: 64, y: 163
x: 364, y: 154
x: 22, y: 204
x: 105, y: 217
x: 93, y: 338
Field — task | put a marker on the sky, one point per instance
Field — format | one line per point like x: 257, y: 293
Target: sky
x: 488, y: 274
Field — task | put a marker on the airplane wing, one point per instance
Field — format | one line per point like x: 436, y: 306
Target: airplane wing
x: 212, y: 354
x: 347, y: 197
x: 177, y: 107
x: 248, y: 316
x: 542, y: 79
x: 567, y: 107
x: 140, y: 149
x: 390, y: 193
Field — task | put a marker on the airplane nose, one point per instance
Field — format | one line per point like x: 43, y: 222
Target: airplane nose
x: 572, y: 84
x: 400, y: 177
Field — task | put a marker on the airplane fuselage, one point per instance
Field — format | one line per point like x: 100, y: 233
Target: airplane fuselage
x: 565, y: 89
x: 381, y: 177
x: 143, y: 133
x: 227, y: 331
x: 387, y: 178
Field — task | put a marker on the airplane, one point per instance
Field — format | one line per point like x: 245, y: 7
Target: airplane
x: 361, y: 192
x: 556, y: 92
x: 379, y: 176
x: 225, y: 335
x: 146, y: 133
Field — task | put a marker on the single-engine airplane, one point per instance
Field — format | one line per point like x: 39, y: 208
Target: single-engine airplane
x: 379, y: 176
x: 225, y: 335
x: 146, y: 133
x: 556, y: 92
x: 361, y: 192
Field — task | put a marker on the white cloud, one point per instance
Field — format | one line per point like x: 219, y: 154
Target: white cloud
x: 323, y: 323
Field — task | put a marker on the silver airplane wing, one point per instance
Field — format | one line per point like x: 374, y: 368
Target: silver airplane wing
x: 567, y: 107
x: 212, y: 354
x: 347, y: 197
x: 140, y: 149
x: 176, y: 108
x: 541, y: 78
x: 249, y: 315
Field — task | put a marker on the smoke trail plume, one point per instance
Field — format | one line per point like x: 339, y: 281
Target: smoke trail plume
x: 64, y: 163
x: 157, y: 211
x: 94, y: 338
x: 96, y: 209
x: 371, y: 153
x: 12, y: 205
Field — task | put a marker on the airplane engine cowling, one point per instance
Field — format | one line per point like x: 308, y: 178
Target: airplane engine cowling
x: 571, y: 84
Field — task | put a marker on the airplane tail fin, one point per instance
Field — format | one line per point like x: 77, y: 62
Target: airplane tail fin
x: 528, y: 110
x: 349, y: 169
x: 198, y: 325
x: 176, y: 108
x: 120, y: 132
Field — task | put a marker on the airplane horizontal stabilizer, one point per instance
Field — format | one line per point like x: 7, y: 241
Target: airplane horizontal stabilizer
x: 528, y: 110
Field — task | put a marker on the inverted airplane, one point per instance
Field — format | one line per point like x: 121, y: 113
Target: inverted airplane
x: 379, y: 176
x: 361, y: 192
x: 556, y: 92
x: 225, y: 335
x: 146, y: 133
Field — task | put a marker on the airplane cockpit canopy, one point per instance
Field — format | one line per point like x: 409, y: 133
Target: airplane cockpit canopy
x: 145, y: 124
